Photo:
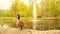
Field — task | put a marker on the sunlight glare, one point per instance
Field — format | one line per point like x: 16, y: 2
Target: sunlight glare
x: 5, y: 4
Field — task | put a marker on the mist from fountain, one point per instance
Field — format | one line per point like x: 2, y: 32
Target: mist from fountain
x: 34, y: 20
x: 34, y: 16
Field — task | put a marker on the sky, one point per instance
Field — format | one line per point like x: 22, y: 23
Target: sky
x: 6, y: 4
x: 27, y: 1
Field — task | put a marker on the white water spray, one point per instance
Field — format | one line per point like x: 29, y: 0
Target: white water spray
x: 34, y: 16
x: 34, y: 20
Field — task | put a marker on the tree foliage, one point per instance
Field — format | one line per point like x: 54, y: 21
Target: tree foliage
x: 51, y: 8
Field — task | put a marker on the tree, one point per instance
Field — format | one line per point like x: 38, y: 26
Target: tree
x: 22, y: 9
x: 50, y: 8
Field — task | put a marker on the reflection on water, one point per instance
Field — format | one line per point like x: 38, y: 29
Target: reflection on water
x: 44, y: 24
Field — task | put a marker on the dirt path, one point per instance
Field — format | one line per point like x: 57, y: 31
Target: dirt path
x: 26, y: 31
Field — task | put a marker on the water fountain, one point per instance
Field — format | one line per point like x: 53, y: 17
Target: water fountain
x: 34, y: 15
x: 34, y: 20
